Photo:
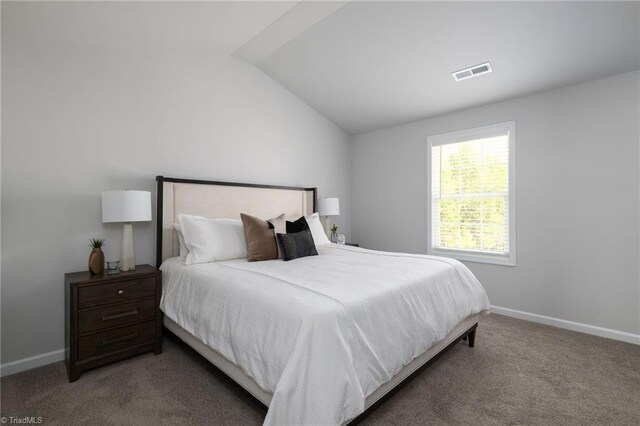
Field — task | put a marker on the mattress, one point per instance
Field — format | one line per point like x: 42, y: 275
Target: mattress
x: 321, y: 334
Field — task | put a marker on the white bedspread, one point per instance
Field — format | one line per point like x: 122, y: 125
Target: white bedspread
x: 321, y: 333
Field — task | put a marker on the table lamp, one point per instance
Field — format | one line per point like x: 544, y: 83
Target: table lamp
x: 126, y: 206
x: 328, y: 207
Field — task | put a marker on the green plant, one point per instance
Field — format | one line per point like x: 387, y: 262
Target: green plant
x: 334, y: 228
x: 96, y: 242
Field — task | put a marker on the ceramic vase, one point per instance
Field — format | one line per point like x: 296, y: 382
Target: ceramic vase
x: 96, y: 261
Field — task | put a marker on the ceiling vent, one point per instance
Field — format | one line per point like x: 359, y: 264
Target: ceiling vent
x: 473, y: 71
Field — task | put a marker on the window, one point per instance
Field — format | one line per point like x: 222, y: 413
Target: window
x: 472, y: 194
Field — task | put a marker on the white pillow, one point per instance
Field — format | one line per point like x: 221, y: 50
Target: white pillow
x: 317, y: 230
x: 212, y: 240
x: 184, y: 250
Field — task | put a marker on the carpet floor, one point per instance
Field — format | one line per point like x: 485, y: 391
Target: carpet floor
x: 519, y: 373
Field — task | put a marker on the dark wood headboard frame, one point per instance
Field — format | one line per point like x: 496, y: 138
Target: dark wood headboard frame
x: 159, y: 205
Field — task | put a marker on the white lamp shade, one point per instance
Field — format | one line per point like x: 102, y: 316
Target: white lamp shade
x: 126, y: 206
x: 329, y: 207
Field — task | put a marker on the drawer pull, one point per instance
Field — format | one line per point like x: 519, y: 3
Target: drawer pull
x: 120, y: 291
x: 119, y: 339
x: 121, y: 315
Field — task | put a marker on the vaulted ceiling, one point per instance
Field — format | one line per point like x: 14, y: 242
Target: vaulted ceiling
x: 368, y: 65
x: 371, y: 65
x: 212, y: 27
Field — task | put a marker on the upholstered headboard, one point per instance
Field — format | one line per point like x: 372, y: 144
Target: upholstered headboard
x: 221, y: 200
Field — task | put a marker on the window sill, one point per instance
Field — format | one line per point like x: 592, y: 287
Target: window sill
x: 475, y: 257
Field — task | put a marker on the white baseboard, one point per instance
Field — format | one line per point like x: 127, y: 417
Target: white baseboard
x: 31, y: 362
x: 569, y: 325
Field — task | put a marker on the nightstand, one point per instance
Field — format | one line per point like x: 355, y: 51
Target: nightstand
x: 352, y: 244
x: 111, y: 317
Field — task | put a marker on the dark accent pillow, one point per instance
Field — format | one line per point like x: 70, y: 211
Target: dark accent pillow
x: 297, y: 226
x: 298, y: 244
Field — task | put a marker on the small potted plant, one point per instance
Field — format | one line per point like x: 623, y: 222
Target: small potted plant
x: 334, y: 233
x: 96, y: 258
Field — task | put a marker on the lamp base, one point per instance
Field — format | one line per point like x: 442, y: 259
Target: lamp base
x: 128, y: 262
x: 325, y: 225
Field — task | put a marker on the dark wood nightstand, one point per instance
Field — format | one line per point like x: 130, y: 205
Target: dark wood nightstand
x: 352, y: 244
x: 111, y: 317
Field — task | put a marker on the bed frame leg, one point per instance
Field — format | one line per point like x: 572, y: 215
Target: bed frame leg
x: 472, y: 337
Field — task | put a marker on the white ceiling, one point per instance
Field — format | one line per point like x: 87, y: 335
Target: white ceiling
x: 378, y: 64
x: 294, y: 22
x: 368, y: 65
x: 215, y: 27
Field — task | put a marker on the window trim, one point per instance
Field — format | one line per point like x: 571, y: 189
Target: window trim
x: 461, y: 136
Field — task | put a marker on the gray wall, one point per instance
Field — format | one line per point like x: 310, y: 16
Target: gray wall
x: 577, y: 155
x: 80, y: 119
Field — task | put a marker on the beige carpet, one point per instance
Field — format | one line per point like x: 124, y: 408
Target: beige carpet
x: 518, y: 373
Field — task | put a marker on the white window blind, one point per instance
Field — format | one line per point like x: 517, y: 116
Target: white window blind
x: 471, y: 192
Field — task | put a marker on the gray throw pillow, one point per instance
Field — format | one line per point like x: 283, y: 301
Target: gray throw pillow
x: 298, y: 244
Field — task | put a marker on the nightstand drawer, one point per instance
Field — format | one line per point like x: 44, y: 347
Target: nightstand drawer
x: 113, y: 340
x: 122, y: 291
x: 114, y: 315
x: 111, y: 317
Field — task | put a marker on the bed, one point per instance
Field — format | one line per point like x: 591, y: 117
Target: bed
x: 318, y: 340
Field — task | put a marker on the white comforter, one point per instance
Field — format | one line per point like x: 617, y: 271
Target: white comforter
x: 321, y: 333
